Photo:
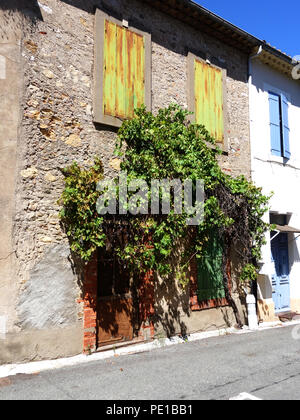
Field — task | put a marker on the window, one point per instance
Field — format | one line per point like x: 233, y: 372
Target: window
x: 279, y: 125
x: 122, y: 70
x: 113, y: 278
x: 207, y: 97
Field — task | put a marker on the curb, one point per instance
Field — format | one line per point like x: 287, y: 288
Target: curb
x: 44, y: 365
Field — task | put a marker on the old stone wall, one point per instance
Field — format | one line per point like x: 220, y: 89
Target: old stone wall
x: 56, y: 54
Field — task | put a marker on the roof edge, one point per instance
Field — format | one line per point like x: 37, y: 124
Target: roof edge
x: 249, y: 41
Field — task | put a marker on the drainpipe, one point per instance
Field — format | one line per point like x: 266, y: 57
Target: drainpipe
x: 252, y: 313
x: 252, y: 57
x: 251, y: 298
x: 250, y: 78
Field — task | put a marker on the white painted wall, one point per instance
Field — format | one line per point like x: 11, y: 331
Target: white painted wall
x: 275, y: 173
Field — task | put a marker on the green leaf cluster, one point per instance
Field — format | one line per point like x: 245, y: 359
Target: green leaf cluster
x: 84, y: 227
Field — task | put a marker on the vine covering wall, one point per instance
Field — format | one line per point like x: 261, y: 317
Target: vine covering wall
x: 168, y: 146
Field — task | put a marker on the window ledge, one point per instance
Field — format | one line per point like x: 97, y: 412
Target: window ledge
x: 195, y: 305
x: 273, y: 159
x: 277, y: 159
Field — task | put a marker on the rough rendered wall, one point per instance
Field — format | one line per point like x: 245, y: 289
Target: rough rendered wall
x: 10, y: 86
x: 57, y: 128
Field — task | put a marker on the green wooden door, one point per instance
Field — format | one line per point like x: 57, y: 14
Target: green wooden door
x: 210, y: 272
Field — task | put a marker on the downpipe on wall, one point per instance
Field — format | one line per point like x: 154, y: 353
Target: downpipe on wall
x: 251, y: 309
x: 250, y: 298
x: 252, y: 57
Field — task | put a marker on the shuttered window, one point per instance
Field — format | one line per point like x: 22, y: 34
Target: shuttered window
x: 207, y: 98
x: 279, y: 125
x: 275, y: 124
x: 285, y: 127
x: 122, y: 71
x: 206, y: 283
x: 210, y: 271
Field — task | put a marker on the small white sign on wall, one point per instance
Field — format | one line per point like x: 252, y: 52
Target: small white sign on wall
x: 2, y: 327
x: 2, y: 67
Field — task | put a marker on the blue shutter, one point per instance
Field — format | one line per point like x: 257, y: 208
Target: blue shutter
x: 274, y: 101
x: 285, y: 127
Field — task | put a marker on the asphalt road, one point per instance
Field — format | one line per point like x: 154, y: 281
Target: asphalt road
x: 264, y: 364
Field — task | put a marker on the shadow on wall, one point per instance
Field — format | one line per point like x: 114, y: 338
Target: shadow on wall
x: 265, y: 286
x: 265, y: 77
x: 11, y: 14
x: 293, y: 250
x: 172, y: 308
x: 29, y: 8
x: 168, y: 33
x: 85, y: 5
x: 173, y: 313
x: 174, y: 316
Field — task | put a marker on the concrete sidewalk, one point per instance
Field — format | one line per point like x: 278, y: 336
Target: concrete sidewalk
x: 40, y: 366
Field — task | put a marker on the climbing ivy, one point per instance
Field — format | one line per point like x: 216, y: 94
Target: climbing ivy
x: 168, y: 146
x: 78, y: 214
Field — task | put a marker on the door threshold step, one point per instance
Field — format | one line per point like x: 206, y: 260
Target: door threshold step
x: 288, y: 316
x: 119, y: 345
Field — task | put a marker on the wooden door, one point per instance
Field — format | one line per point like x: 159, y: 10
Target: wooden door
x: 115, y: 314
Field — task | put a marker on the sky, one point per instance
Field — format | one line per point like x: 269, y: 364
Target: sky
x: 275, y: 21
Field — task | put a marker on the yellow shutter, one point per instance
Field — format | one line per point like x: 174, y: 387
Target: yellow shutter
x: 124, y: 71
x: 209, y: 99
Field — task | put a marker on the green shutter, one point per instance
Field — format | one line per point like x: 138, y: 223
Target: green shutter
x: 209, y: 99
x: 124, y: 71
x: 210, y: 272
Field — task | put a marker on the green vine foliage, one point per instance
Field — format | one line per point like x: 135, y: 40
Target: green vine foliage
x: 167, y: 146
x: 83, y: 224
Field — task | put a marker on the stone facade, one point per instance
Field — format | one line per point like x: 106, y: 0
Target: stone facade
x: 48, y: 117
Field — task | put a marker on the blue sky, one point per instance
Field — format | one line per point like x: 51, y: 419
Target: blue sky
x: 275, y: 21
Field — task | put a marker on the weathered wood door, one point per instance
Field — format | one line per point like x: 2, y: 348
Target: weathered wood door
x: 115, y: 312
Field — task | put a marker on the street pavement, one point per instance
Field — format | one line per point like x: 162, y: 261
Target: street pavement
x: 264, y: 364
